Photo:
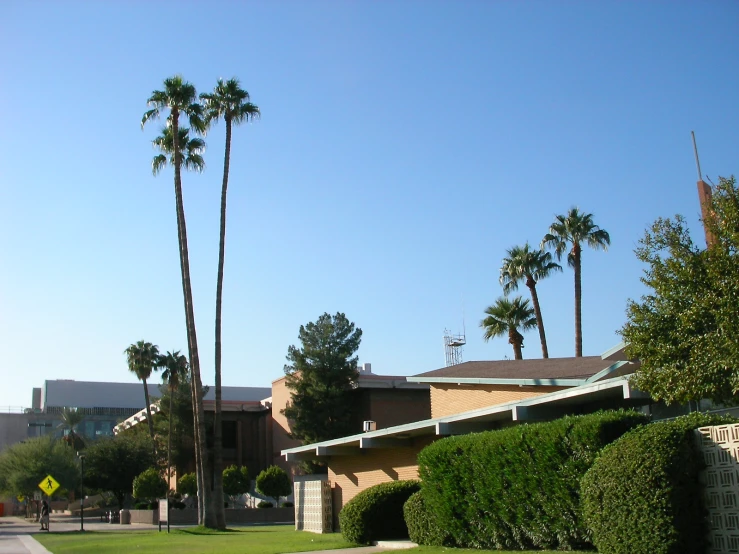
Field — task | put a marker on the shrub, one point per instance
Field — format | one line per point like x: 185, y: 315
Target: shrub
x: 188, y: 484
x: 423, y: 528
x: 288, y: 505
x: 146, y: 505
x: 265, y: 504
x: 235, y: 480
x: 274, y: 482
x: 149, y: 484
x: 376, y: 513
x: 518, y: 488
x: 642, y: 495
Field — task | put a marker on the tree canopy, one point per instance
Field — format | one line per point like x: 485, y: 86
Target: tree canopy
x: 685, y: 328
x: 274, y: 482
x: 235, y: 480
x: 320, y: 375
x: 24, y: 465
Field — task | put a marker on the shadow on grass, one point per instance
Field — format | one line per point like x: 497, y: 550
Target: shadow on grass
x: 206, y: 531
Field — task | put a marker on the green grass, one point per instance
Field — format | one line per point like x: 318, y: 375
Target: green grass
x: 276, y: 539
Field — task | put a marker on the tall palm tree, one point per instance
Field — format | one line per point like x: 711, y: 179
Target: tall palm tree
x: 507, y: 317
x: 231, y: 103
x: 71, y: 418
x: 174, y: 370
x: 142, y: 358
x: 522, y: 263
x: 180, y: 98
x: 571, y: 231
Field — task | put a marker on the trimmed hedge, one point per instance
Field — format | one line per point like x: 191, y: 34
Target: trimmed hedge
x: 518, y: 488
x: 642, y: 495
x: 422, y: 525
x: 376, y: 513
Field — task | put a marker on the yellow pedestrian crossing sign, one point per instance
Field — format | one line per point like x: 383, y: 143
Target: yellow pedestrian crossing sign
x: 20, y: 498
x: 49, y: 485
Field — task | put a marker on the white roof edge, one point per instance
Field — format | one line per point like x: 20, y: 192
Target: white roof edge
x: 616, y: 382
x: 613, y: 350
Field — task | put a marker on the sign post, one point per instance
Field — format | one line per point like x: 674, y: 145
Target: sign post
x: 163, y: 512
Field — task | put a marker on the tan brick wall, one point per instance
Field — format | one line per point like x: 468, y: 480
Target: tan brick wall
x: 449, y: 399
x: 280, y: 426
x: 350, y: 475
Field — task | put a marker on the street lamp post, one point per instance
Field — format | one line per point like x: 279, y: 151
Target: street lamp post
x: 82, y: 490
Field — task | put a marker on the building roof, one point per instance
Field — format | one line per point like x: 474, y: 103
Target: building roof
x: 96, y: 394
x: 546, y: 406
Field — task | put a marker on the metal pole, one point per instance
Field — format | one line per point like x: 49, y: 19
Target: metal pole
x: 82, y: 492
x: 697, y: 161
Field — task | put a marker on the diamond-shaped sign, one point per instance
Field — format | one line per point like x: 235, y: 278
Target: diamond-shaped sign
x: 20, y: 498
x: 49, y: 485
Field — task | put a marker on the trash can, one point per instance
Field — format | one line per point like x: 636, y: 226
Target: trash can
x: 125, y: 517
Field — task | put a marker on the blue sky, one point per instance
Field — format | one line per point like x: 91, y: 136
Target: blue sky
x: 403, y: 147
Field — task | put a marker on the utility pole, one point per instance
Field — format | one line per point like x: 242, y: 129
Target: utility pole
x: 704, y: 197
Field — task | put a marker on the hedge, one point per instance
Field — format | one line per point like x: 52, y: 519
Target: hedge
x: 423, y: 528
x: 518, y: 488
x: 376, y: 513
x: 642, y: 495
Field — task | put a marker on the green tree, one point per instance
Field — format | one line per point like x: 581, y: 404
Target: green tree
x: 192, y: 150
x: 142, y: 358
x: 522, y: 263
x: 174, y: 370
x: 274, y: 482
x: 231, y: 103
x: 684, y: 329
x: 188, y: 484
x: 320, y: 375
x: 571, y: 231
x: 180, y: 98
x: 507, y: 317
x: 149, y: 485
x: 113, y: 463
x: 235, y: 481
x: 71, y: 418
x: 25, y: 464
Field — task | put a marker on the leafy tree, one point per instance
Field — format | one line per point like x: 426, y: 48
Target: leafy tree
x: 230, y: 102
x: 188, y: 484
x: 113, y: 463
x: 571, y: 231
x: 320, y: 376
x: 507, y: 317
x: 174, y: 370
x: 71, y: 418
x: 235, y: 480
x: 180, y: 97
x: 25, y: 464
x: 274, y: 482
x: 522, y: 263
x: 143, y: 358
x: 149, y: 485
x: 684, y: 329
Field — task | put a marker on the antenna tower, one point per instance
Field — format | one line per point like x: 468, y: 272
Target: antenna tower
x: 453, y: 346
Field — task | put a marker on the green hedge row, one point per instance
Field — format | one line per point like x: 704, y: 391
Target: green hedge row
x: 423, y: 528
x: 376, y: 513
x: 518, y: 488
x: 642, y: 495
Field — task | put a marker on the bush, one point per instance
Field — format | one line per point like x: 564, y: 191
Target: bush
x: 642, y: 495
x: 423, y: 528
x: 274, y: 482
x: 518, y: 488
x: 265, y: 504
x: 149, y: 484
x: 235, y: 480
x: 146, y: 505
x: 188, y: 484
x: 376, y: 513
x: 288, y: 505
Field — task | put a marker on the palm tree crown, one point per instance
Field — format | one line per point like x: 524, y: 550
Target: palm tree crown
x: 522, y: 263
x: 229, y: 102
x: 507, y: 317
x: 174, y: 368
x: 71, y: 417
x: 191, y: 150
x: 179, y: 97
x: 143, y: 359
x: 571, y: 231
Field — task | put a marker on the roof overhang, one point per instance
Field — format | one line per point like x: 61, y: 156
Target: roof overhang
x: 539, y: 408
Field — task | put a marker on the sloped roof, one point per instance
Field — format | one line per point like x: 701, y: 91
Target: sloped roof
x: 550, y: 368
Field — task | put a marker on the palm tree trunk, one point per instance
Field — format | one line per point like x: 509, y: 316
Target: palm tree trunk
x: 539, y: 321
x: 169, y: 441
x: 578, y: 301
x: 515, y: 339
x: 199, y: 414
x: 218, y: 427
x: 148, y: 411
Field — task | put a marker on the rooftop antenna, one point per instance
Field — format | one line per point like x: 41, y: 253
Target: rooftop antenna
x: 454, y: 344
x: 704, y: 196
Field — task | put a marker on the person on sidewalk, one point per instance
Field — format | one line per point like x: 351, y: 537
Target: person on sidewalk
x: 45, y: 516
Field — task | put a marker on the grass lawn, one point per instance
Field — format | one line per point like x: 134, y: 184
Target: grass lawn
x: 276, y: 539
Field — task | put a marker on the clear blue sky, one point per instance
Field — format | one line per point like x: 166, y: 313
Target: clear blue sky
x: 404, y: 146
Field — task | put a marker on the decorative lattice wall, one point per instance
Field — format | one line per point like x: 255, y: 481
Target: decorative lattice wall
x: 313, y: 506
x: 720, y: 448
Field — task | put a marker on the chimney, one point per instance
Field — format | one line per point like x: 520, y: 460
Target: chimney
x: 36, y: 399
x: 365, y: 369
